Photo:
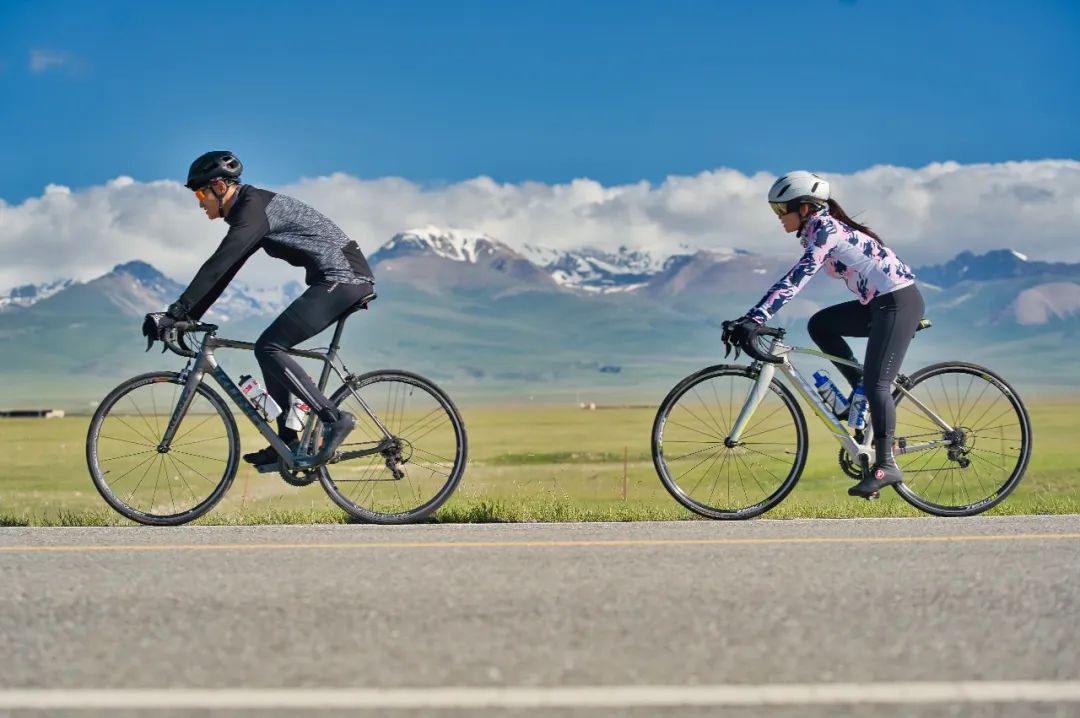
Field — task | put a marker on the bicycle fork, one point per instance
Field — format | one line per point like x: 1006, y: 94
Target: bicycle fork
x: 757, y: 392
x: 193, y: 378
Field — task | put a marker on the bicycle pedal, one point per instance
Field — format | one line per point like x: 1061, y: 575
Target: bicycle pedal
x: 874, y: 496
x: 269, y: 468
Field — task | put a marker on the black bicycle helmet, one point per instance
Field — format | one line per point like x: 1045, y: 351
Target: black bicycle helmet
x: 218, y: 164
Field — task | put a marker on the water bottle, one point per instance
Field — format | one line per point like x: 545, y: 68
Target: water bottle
x: 830, y: 394
x: 859, y: 407
x: 258, y: 397
x: 298, y: 414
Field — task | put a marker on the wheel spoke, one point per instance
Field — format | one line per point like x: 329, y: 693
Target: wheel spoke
x: 431, y: 444
x: 189, y: 466
x: 159, y: 491
x: 684, y: 426
x: 702, y: 421
x: 996, y: 444
x: 707, y: 476
x: 126, y: 441
x: 125, y: 456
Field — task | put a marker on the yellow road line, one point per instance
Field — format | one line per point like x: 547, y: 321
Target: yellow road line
x: 568, y: 543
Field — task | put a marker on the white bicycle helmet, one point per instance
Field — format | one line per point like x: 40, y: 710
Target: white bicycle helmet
x: 795, y: 188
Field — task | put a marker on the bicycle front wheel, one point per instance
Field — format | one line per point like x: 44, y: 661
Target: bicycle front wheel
x: 144, y: 484
x: 409, y: 480
x: 701, y: 471
x: 976, y: 465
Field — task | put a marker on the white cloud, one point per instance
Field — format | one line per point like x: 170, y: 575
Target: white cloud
x: 45, y: 60
x: 928, y: 214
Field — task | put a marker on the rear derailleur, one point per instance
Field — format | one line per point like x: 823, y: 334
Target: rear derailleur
x: 958, y: 450
x: 396, y: 455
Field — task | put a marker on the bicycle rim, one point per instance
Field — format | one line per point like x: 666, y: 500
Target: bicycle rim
x: 986, y: 457
x: 728, y: 482
x: 156, y: 488
x: 431, y: 449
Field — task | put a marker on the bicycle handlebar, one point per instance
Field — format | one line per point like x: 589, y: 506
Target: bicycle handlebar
x: 173, y: 337
x: 751, y: 348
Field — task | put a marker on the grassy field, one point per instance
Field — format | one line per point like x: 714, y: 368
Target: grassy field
x: 544, y: 464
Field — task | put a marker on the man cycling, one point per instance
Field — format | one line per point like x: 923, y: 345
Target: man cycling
x: 337, y: 276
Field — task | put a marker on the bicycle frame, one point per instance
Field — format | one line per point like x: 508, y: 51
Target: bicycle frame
x: 766, y: 373
x: 205, y: 362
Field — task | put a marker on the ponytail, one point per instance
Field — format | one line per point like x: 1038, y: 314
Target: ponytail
x: 837, y: 211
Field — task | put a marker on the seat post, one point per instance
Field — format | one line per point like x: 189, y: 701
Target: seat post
x: 335, y: 343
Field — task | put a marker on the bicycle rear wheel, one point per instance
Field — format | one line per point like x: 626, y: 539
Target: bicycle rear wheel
x: 429, y: 450
x: 986, y: 454
x: 145, y: 485
x: 728, y: 482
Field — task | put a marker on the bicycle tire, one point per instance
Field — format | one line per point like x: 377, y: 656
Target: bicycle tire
x: 426, y: 507
x: 912, y: 492
x: 661, y: 461
x: 99, y: 475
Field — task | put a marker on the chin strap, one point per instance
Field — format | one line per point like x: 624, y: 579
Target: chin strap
x: 220, y: 198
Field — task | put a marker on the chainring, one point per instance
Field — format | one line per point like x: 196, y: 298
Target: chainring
x: 300, y: 477
x: 848, y: 466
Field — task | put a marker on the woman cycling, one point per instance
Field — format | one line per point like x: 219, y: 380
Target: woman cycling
x: 887, y: 311
x: 337, y: 275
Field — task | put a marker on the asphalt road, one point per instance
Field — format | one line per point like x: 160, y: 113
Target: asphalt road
x: 779, y: 618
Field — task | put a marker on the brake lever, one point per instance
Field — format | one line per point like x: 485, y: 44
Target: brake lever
x: 725, y: 337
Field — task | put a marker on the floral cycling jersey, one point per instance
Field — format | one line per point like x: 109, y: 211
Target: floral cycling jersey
x: 867, y: 267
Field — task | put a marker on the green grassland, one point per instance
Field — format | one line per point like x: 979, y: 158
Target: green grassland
x: 525, y: 464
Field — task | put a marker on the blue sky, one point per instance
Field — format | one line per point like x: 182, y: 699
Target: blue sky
x: 616, y: 91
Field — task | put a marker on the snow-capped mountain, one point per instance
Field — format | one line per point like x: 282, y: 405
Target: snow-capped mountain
x: 998, y: 264
x: 480, y: 314
x: 594, y: 270
x: 435, y: 259
x: 438, y: 260
x: 587, y: 270
x: 149, y: 278
x: 454, y: 244
x: 29, y: 294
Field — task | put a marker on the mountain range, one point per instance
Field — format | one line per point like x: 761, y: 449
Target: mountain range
x: 495, y: 323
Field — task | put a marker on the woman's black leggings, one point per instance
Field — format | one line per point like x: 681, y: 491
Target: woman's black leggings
x: 314, y: 310
x: 889, y: 322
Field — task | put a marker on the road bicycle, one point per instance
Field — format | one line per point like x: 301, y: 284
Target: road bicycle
x: 730, y: 441
x: 163, y: 448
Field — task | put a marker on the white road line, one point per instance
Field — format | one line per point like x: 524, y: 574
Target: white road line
x: 795, y: 694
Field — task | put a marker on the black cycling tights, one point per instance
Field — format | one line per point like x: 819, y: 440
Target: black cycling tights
x: 889, y: 322
x: 314, y: 310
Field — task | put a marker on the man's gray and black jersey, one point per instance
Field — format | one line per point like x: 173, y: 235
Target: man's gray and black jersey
x: 285, y: 228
